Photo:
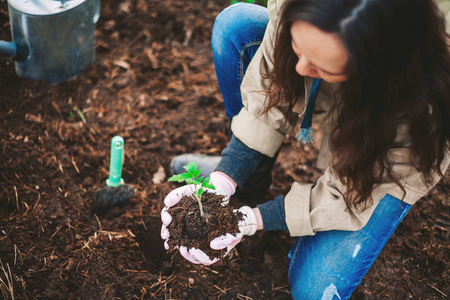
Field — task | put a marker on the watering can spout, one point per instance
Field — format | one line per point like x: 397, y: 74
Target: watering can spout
x: 16, y: 51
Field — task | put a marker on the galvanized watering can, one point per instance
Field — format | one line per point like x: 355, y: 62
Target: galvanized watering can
x: 51, y: 40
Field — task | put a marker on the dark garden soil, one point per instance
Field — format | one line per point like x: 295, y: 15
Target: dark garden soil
x: 190, y: 229
x: 153, y: 83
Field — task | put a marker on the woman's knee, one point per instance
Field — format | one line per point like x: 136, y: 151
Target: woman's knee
x: 235, y: 22
x: 330, y: 265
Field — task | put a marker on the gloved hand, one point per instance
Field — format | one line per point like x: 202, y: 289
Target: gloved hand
x: 247, y: 226
x: 223, y: 184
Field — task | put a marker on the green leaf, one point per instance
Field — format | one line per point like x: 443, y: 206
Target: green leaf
x: 190, y: 177
x: 208, y: 185
x: 190, y: 181
x: 179, y: 178
x: 186, y: 175
x: 196, y: 173
x: 191, y: 167
x: 80, y: 113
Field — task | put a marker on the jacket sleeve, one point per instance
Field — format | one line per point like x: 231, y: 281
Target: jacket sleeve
x: 320, y: 207
x: 239, y: 161
x: 263, y: 133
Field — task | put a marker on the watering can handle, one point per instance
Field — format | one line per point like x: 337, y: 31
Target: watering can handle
x: 96, y: 4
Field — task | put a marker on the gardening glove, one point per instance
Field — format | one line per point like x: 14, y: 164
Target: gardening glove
x: 223, y: 184
x: 197, y: 256
x: 247, y: 226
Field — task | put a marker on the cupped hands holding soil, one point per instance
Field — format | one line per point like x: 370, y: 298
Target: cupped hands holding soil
x: 188, y: 228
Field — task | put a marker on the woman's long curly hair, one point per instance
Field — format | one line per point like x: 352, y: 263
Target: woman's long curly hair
x: 398, y: 62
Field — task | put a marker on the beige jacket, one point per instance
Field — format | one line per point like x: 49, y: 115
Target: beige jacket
x: 320, y: 206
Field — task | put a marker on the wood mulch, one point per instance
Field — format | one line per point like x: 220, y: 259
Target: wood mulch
x: 153, y: 83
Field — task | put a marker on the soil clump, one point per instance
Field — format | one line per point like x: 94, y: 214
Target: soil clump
x: 189, y: 228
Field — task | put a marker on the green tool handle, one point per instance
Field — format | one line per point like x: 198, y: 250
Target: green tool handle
x: 245, y: 1
x: 116, y: 162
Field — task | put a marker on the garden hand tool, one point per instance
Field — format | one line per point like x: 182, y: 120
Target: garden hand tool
x: 115, y: 192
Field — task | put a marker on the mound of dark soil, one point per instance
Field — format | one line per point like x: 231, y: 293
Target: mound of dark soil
x: 189, y: 228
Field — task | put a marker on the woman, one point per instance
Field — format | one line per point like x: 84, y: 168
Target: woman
x: 375, y: 74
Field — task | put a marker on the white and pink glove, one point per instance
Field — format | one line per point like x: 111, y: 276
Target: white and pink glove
x: 224, y: 185
x: 247, y: 226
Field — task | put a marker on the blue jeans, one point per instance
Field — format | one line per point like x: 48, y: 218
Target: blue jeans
x: 238, y: 31
x: 330, y: 264
x: 237, y: 34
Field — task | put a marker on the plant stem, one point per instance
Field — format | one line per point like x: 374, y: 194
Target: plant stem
x: 200, y: 205
x: 195, y: 194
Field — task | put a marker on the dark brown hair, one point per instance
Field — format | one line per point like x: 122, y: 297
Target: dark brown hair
x: 399, y: 64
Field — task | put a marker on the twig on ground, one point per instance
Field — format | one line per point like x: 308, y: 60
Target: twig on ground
x: 243, y: 297
x: 6, y: 287
x: 16, y: 250
x: 162, y: 283
x: 280, y: 287
x: 223, y: 291
x: 211, y: 270
x: 435, y: 288
x: 99, y: 223
x: 17, y: 197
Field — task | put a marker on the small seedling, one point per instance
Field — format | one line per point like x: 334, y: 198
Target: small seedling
x: 79, y: 113
x: 197, y: 184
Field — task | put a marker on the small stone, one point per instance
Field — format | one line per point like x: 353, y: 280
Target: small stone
x: 191, y: 281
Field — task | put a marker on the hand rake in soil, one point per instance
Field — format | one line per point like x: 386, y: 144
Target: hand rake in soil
x: 115, y: 192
